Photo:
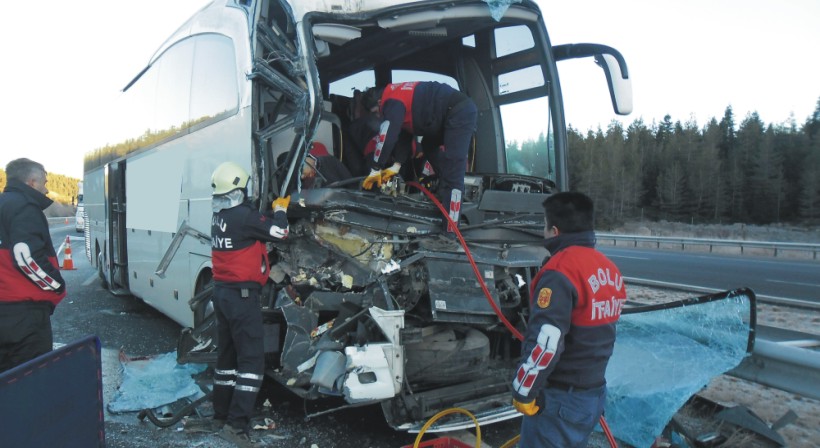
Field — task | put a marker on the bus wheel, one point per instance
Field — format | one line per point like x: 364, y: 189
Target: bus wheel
x: 198, y: 344
x: 100, y: 273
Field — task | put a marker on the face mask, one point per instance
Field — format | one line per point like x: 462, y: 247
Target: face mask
x: 227, y: 200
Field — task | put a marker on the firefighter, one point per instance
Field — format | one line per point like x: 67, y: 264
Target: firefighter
x: 240, y: 269
x: 445, y: 119
x: 576, y: 300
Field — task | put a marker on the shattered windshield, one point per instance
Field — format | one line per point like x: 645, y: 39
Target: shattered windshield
x: 665, y: 354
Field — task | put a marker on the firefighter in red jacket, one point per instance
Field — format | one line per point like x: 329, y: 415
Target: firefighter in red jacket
x: 30, y: 281
x: 240, y: 269
x: 445, y: 119
x: 576, y: 300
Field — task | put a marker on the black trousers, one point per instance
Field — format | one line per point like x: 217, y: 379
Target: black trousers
x: 240, y: 361
x: 25, y: 332
x: 448, y: 155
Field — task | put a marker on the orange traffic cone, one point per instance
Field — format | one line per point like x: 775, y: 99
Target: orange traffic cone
x: 68, y: 263
x: 66, y: 220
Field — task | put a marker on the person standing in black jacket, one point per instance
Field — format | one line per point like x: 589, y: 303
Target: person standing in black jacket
x: 31, y: 285
x: 240, y: 269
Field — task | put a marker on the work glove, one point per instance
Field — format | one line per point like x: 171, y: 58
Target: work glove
x: 279, y: 232
x: 374, y: 179
x: 280, y: 227
x: 281, y: 204
x: 528, y: 409
x: 389, y: 173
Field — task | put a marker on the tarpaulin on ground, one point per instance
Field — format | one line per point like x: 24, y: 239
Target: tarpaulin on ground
x: 150, y: 382
x: 54, y: 399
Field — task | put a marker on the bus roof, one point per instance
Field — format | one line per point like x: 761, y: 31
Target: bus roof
x: 302, y: 7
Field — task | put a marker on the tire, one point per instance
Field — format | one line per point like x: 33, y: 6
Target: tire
x: 198, y: 344
x: 100, y: 273
x: 448, y: 354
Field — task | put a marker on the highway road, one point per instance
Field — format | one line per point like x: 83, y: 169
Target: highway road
x: 776, y: 277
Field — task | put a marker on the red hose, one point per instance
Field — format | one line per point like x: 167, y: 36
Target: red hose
x: 454, y: 226
x: 487, y: 294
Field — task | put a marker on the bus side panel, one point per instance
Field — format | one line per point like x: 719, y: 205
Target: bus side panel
x: 94, y: 199
x: 188, y: 161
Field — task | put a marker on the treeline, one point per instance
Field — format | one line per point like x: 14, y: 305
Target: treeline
x: 61, y: 188
x: 750, y: 173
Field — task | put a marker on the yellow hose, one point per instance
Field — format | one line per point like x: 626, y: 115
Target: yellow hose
x: 448, y: 412
x: 511, y: 443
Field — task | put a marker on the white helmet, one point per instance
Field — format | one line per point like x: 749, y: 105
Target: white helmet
x: 228, y: 177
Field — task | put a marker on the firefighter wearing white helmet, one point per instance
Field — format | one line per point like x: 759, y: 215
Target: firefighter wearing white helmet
x: 240, y: 269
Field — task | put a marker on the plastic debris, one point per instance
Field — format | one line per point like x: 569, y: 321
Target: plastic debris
x: 269, y: 424
x: 499, y: 7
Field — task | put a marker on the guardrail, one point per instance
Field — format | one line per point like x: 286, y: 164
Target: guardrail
x: 61, y: 220
x: 773, y: 248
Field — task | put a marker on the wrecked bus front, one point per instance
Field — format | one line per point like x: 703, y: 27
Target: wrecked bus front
x: 367, y: 300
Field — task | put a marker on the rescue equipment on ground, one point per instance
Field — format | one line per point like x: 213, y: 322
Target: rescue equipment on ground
x: 446, y: 442
x: 68, y: 263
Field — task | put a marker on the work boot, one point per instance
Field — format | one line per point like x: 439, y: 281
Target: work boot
x: 204, y: 425
x: 238, y: 437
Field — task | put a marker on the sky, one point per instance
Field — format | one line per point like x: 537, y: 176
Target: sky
x: 65, y: 63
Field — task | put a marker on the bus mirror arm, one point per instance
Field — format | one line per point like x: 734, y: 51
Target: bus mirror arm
x: 184, y: 230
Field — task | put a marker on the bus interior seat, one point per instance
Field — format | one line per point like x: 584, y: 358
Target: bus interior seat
x: 329, y: 132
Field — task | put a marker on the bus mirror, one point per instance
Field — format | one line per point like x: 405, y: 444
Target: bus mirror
x: 614, y: 65
x: 620, y: 86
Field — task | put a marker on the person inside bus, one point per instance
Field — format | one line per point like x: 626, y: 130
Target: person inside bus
x: 321, y: 168
x: 240, y: 269
x: 445, y: 119
x: 360, y: 136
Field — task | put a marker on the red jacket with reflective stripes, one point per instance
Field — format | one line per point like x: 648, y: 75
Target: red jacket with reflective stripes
x: 28, y: 262
x: 576, y: 300
x: 238, y: 251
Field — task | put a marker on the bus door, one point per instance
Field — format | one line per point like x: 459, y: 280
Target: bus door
x: 117, y: 236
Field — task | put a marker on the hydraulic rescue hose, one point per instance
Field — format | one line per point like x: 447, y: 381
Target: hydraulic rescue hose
x: 497, y: 311
x: 513, y: 330
x: 448, y: 412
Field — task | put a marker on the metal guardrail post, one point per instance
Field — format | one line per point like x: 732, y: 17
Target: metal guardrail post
x: 783, y: 367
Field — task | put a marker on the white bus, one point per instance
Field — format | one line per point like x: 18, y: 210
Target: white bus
x: 366, y: 301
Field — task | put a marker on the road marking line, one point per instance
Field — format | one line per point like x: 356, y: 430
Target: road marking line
x: 792, y: 283
x: 626, y: 256
x: 90, y: 279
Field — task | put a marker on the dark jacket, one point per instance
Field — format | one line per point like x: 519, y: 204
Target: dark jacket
x: 575, y: 303
x: 238, y: 251
x: 418, y: 108
x: 28, y: 262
